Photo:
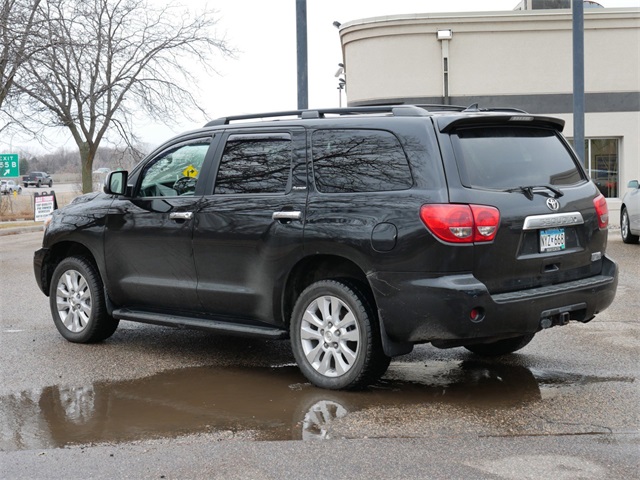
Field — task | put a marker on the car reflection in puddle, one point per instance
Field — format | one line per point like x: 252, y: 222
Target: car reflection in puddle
x: 274, y: 404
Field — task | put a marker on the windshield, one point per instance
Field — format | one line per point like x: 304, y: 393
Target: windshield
x: 504, y: 157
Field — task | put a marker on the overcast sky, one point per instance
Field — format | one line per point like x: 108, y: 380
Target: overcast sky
x: 263, y: 75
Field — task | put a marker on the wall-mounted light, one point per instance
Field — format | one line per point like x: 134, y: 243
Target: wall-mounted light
x: 445, y: 34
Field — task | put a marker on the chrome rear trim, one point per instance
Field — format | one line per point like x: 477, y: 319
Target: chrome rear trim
x: 551, y: 220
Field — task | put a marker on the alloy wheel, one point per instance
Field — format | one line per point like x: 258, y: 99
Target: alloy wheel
x: 73, y: 300
x: 330, y: 336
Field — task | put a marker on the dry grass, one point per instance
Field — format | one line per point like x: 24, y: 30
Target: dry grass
x: 20, y: 207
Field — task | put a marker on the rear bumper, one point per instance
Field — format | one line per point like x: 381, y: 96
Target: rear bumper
x: 416, y: 309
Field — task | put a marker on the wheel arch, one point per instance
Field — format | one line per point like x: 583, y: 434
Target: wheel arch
x: 315, y: 268
x: 59, y: 252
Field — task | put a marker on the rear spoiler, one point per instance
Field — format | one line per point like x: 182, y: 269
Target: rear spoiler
x: 448, y: 123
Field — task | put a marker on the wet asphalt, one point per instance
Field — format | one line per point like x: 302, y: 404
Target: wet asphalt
x: 156, y: 402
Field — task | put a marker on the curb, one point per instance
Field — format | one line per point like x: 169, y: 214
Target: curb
x: 17, y: 230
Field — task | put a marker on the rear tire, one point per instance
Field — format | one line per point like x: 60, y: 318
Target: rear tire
x: 335, y: 337
x: 625, y: 228
x: 77, y: 302
x: 501, y: 347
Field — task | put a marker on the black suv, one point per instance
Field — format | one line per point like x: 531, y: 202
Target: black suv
x: 357, y: 233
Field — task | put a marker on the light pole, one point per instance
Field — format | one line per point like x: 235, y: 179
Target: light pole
x: 578, y: 78
x: 341, y: 82
x: 341, y: 85
x: 303, y: 69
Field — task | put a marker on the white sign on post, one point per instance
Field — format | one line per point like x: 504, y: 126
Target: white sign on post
x: 44, y: 205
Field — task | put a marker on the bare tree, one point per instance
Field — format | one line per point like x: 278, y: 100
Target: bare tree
x: 18, y: 26
x: 107, y: 60
x: 17, y: 18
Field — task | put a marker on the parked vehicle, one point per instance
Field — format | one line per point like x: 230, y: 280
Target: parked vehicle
x: 7, y: 187
x: 357, y: 233
x: 630, y: 213
x: 37, y: 179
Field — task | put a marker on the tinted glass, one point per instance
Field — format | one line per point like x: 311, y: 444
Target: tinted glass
x: 175, y: 172
x: 359, y: 161
x: 255, y: 164
x: 508, y: 157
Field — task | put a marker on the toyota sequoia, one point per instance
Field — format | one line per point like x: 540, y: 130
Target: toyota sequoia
x: 356, y: 233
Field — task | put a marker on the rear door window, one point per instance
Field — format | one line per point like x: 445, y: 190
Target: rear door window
x: 505, y: 157
x: 255, y: 163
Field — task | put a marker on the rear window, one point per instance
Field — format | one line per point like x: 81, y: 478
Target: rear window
x: 508, y: 157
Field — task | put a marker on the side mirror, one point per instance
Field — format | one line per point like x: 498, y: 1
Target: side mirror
x: 116, y: 182
x: 633, y: 184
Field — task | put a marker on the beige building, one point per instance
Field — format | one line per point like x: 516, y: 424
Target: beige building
x: 520, y: 59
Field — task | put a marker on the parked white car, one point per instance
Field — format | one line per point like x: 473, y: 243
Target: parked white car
x: 9, y: 186
x: 630, y: 213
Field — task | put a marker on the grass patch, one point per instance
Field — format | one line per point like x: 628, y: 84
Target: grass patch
x: 19, y: 208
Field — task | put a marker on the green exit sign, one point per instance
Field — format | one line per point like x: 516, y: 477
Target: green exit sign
x: 9, y: 165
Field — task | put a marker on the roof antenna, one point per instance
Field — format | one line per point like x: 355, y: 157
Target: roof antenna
x: 472, y: 108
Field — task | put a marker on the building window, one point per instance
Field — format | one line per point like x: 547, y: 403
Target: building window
x: 602, y: 163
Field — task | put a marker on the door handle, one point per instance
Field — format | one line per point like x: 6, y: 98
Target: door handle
x: 181, y: 215
x: 286, y: 215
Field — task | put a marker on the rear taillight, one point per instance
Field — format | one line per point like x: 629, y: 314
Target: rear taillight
x: 461, y: 223
x: 602, y: 211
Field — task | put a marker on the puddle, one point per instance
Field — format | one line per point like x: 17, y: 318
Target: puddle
x: 275, y: 403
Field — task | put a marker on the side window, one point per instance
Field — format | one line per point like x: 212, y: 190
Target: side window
x: 259, y: 163
x: 359, y: 161
x: 175, y: 172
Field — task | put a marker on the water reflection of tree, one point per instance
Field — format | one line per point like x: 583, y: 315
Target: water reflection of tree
x: 359, y: 161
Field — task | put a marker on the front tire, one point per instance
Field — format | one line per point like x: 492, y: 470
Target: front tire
x: 335, y: 337
x: 625, y: 228
x: 77, y: 302
x: 501, y: 347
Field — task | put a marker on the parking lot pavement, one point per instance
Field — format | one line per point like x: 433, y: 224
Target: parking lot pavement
x: 567, y: 406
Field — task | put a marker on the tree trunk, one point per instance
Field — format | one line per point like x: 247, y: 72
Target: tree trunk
x: 87, y: 154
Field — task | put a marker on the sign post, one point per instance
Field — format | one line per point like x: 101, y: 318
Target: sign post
x: 9, y: 165
x: 43, y: 205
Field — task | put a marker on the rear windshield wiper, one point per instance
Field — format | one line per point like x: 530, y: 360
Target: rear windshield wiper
x: 529, y: 191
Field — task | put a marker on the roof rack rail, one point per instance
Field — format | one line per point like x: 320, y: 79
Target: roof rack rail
x: 396, y: 110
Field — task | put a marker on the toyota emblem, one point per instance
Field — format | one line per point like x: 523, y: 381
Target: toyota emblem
x: 553, y: 204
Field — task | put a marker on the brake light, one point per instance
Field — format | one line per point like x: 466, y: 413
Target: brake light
x: 455, y: 223
x: 602, y: 211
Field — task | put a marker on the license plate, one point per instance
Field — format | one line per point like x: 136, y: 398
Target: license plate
x: 552, y: 240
